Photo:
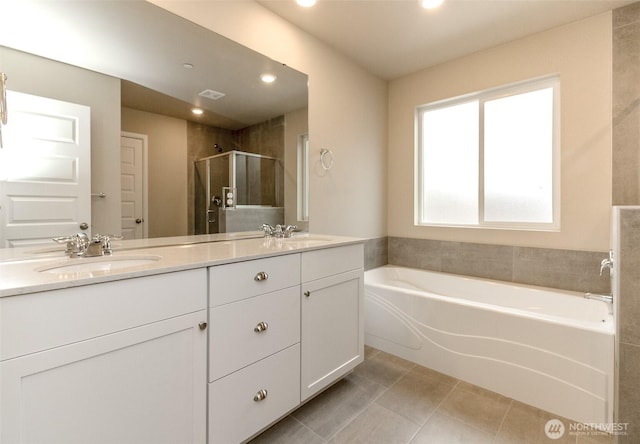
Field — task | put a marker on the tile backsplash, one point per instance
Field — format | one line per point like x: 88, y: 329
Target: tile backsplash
x: 563, y: 269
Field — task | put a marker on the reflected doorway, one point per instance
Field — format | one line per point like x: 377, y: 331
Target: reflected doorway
x: 133, y: 182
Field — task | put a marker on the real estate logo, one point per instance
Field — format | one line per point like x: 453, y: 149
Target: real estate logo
x: 554, y: 429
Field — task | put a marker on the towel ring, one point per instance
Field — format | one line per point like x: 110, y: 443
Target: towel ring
x: 326, y: 159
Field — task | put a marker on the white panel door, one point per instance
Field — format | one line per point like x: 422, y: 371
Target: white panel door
x: 133, y: 196
x: 45, y: 170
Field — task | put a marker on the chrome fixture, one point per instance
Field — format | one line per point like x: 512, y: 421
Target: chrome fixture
x: 607, y: 298
x: 79, y: 245
x: 279, y: 231
x: 607, y: 263
x: 262, y: 394
x: 262, y: 326
x: 600, y: 297
x: 261, y: 276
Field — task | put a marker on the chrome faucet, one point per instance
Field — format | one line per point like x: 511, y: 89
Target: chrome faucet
x: 79, y: 245
x: 279, y: 231
x: 607, y: 263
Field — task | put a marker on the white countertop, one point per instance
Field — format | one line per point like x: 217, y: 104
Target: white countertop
x: 29, y: 270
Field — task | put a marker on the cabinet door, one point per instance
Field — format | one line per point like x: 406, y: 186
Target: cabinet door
x: 141, y: 385
x: 332, y: 338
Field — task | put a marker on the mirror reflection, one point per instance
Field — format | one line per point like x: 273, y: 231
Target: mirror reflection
x: 156, y: 168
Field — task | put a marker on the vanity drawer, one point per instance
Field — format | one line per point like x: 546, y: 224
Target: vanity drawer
x: 235, y: 413
x: 233, y: 282
x: 246, y: 331
x: 39, y: 321
x: 317, y: 264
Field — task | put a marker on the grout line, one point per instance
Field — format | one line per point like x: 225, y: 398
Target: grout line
x: 369, y: 404
x: 308, y: 428
x: 435, y: 409
x: 504, y: 418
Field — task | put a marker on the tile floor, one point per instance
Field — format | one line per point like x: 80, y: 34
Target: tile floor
x: 389, y: 400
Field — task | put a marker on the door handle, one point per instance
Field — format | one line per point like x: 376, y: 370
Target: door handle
x: 84, y: 226
x: 138, y: 221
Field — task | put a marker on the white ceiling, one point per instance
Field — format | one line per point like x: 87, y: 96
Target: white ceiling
x: 392, y: 38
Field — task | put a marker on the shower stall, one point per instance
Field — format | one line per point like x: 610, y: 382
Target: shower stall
x: 237, y: 191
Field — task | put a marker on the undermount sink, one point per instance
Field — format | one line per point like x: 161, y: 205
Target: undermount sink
x: 97, y: 264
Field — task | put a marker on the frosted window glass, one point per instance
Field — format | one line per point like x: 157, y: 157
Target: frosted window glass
x: 450, y: 165
x: 518, y: 150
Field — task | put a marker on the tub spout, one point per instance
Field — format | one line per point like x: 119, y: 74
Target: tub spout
x: 608, y: 298
x: 600, y: 297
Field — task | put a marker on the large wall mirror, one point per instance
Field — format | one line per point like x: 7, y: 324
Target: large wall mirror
x: 140, y: 71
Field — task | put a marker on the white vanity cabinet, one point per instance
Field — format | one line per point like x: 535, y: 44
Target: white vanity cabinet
x: 122, y: 361
x: 254, y: 345
x: 282, y: 329
x: 332, y: 324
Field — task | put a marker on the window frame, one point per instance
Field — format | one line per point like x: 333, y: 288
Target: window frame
x: 551, y: 81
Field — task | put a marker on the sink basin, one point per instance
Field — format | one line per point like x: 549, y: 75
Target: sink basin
x: 97, y: 264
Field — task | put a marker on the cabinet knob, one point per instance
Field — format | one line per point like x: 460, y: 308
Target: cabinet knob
x: 262, y: 394
x: 202, y: 325
x: 262, y: 326
x: 262, y: 276
x: 307, y: 293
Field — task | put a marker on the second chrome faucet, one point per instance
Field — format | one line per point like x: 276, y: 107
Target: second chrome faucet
x: 279, y: 231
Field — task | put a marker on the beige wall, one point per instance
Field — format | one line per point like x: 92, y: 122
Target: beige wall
x: 581, y: 54
x: 43, y: 77
x: 167, y: 166
x: 347, y: 113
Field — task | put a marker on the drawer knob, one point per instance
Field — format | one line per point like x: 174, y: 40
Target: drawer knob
x: 307, y: 293
x: 262, y: 326
x: 262, y: 394
x: 262, y: 276
x: 202, y: 325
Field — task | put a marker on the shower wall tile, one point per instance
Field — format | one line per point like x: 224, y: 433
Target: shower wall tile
x: 626, y: 105
x: 423, y: 254
x: 629, y: 392
x: 564, y: 269
x: 376, y: 252
x: 629, y: 275
x: 629, y: 389
x: 626, y: 15
x: 480, y: 260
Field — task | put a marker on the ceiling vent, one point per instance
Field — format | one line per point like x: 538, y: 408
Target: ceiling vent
x: 211, y: 94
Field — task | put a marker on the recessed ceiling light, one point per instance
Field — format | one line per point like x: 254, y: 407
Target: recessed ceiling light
x: 197, y: 111
x: 268, y: 78
x: 431, y: 4
x: 187, y: 65
x: 306, y: 3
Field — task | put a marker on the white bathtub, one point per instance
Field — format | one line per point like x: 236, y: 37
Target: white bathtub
x: 551, y: 349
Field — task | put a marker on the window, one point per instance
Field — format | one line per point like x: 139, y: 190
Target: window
x: 491, y: 159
